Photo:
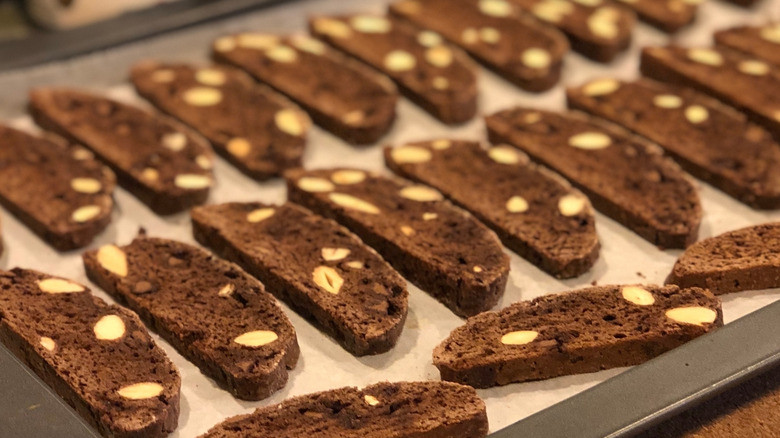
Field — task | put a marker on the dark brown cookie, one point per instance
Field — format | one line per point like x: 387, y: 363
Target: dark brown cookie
x: 435, y: 245
x: 58, y: 191
x: 155, y: 159
x: 746, y: 83
x: 216, y: 315
x: 744, y: 259
x: 341, y: 95
x: 762, y: 42
x: 99, y: 358
x: 313, y: 264
x: 434, y: 75
x: 535, y: 212
x: 255, y: 129
x: 713, y: 142
x: 667, y: 15
x: 582, y: 331
x: 625, y: 177
x: 382, y: 410
x: 499, y: 35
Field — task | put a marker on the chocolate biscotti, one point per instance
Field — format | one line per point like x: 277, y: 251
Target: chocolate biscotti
x: 341, y: 95
x: 382, y: 410
x: 320, y: 269
x: 58, y: 191
x: 216, y: 315
x: 762, y: 42
x: 99, y: 358
x: 434, y: 75
x: 744, y: 259
x: 435, y: 245
x: 625, y: 177
x: 576, y: 332
x: 498, y: 34
x: 742, y: 81
x: 667, y: 15
x: 155, y: 159
x: 533, y: 211
x: 711, y: 141
x: 255, y: 129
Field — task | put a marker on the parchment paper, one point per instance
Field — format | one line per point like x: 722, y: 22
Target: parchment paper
x: 625, y: 258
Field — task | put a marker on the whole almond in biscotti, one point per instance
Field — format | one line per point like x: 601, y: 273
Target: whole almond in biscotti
x: 99, y: 358
x: 257, y: 130
x: 216, y: 315
x: 625, y: 178
x: 439, y: 247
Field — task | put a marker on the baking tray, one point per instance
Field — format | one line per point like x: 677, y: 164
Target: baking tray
x: 625, y: 258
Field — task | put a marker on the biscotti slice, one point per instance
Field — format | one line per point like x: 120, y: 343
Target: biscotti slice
x: 216, y: 315
x: 582, y: 331
x: 535, y: 212
x: 155, y: 159
x: 744, y: 259
x: 762, y: 42
x: 58, y: 191
x: 341, y: 95
x: 313, y: 264
x: 99, y: 358
x: 439, y: 247
x: 742, y: 81
x: 496, y: 33
x: 667, y: 15
x: 711, y: 141
x: 625, y: 177
x: 255, y: 129
x: 382, y: 410
x: 437, y: 77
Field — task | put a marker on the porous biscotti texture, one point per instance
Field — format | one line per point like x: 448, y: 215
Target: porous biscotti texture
x: 99, y: 358
x: 711, y: 141
x: 576, y: 332
x: 598, y: 30
x: 435, y: 245
x: 669, y: 16
x: 257, y: 130
x: 57, y: 190
x: 742, y: 81
x: 342, y: 95
x: 382, y: 410
x: 157, y: 160
x: 216, y: 315
x: 744, y: 259
x: 434, y: 75
x: 763, y: 42
x: 534, y: 211
x: 313, y: 264
x: 625, y: 177
x: 499, y: 35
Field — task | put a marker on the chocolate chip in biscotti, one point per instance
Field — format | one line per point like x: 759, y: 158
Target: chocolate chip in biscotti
x: 216, y: 315
x: 382, y: 410
x: 749, y: 84
x: 625, y: 177
x: 762, y: 42
x: 156, y: 159
x: 315, y: 265
x: 744, y: 259
x: 582, y: 331
x: 711, y: 141
x: 257, y: 130
x: 99, y: 358
x: 535, y: 212
x: 60, y: 192
x: 433, y: 74
x: 498, y: 34
x: 342, y: 95
x: 667, y: 15
x: 439, y: 247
